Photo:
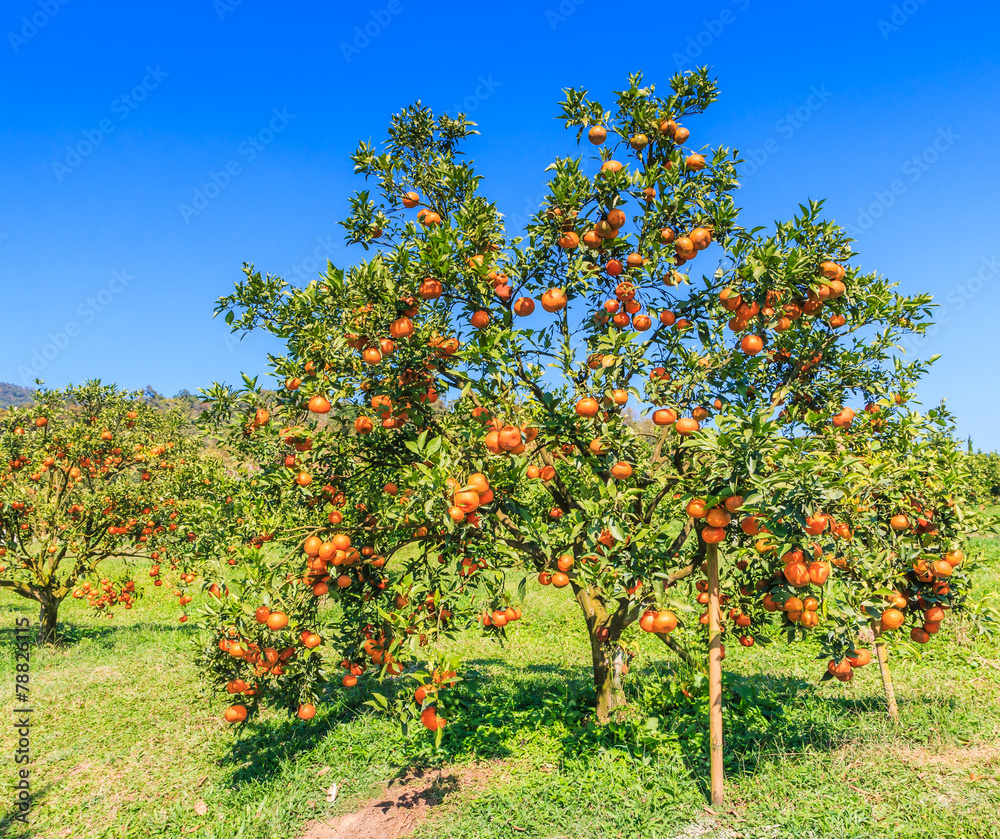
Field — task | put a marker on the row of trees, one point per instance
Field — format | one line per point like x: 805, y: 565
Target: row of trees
x: 93, y: 473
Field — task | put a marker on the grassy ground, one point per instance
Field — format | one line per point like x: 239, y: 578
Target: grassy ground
x: 124, y: 744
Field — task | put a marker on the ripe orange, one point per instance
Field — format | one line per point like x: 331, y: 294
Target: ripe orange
x: 696, y: 508
x: 694, y: 162
x: 597, y: 135
x: 621, y: 470
x: 430, y: 719
x: 524, y: 306
x: 942, y: 568
x: 686, y: 426
x: 616, y: 218
x: 277, y: 620
x: 733, y: 503
x: 664, y: 416
x: 236, y: 713
x: 560, y: 579
x: 700, y: 237
x: 480, y: 319
x: 859, y: 658
x: 307, y: 711
x: 430, y: 289
x: 717, y: 517
x: 935, y: 614
x: 899, y: 522
x: 797, y: 574
x: 401, y: 328
x: 553, y: 300
x: 751, y: 344
x: 892, y: 619
x: 819, y: 572
x: 713, y: 535
x: 664, y: 621
x: 509, y: 438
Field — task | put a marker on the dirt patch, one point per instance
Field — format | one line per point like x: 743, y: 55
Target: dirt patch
x: 961, y: 759
x: 403, y: 804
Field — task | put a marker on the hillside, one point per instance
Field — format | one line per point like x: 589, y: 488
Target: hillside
x: 11, y: 395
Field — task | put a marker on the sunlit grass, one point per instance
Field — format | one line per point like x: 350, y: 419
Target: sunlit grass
x: 124, y: 744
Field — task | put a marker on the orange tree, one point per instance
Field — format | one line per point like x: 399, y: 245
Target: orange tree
x: 86, y: 474
x: 633, y: 288
x: 985, y: 467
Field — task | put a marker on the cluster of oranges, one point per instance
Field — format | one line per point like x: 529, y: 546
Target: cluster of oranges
x: 468, y: 498
x: 508, y: 439
x: 104, y: 596
x: 337, y: 552
x: 716, y: 519
x: 500, y: 617
x: 426, y: 698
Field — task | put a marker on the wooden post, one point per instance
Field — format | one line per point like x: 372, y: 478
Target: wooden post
x: 714, y: 676
x: 883, y: 666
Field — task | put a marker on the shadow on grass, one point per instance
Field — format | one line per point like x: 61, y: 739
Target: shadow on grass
x: 493, y: 717
x: 10, y: 822
x: 105, y: 635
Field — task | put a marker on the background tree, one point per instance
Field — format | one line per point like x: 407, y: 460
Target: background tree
x: 86, y: 474
x: 416, y: 521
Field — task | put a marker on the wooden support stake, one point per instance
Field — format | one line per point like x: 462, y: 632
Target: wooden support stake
x: 883, y: 666
x: 714, y: 676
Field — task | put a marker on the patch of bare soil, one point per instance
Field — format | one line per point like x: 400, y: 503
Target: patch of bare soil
x: 403, y: 804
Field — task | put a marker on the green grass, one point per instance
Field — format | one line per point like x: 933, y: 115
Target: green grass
x: 125, y: 745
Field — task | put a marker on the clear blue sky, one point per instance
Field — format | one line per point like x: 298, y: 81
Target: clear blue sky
x: 114, y: 116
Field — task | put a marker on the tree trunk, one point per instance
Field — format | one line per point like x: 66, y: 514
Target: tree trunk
x: 47, y: 617
x: 608, y: 658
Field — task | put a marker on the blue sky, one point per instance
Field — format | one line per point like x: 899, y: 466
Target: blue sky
x: 115, y: 120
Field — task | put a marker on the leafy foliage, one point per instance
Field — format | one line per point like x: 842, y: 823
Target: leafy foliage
x: 400, y: 522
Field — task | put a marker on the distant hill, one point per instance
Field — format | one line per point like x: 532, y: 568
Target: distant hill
x: 12, y: 395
